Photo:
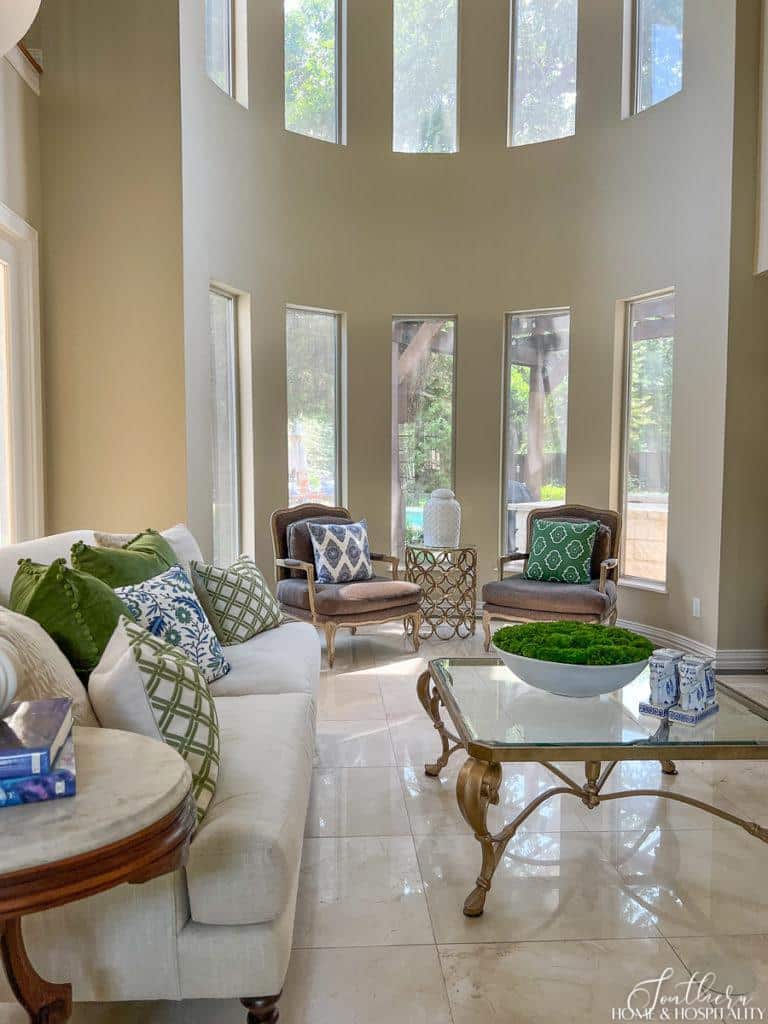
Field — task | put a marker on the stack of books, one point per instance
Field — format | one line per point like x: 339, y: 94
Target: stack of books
x: 37, y: 752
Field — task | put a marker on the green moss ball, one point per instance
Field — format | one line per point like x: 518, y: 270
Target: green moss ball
x: 574, y: 643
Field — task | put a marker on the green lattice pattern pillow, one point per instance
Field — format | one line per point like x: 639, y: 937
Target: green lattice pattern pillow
x: 561, y: 552
x: 237, y: 600
x: 182, y: 706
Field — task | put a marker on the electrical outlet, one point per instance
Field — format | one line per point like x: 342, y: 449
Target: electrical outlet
x: 696, y: 608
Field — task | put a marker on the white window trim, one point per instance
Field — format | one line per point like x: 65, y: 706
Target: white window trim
x: 24, y: 399
x: 238, y: 53
x: 637, y: 582
x: 20, y: 63
x: 341, y: 92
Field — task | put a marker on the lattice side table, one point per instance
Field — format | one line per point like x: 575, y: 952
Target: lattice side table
x: 448, y: 580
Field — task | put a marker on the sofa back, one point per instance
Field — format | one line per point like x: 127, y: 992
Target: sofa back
x: 44, y: 549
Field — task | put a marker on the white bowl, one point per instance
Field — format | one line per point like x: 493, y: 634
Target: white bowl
x: 571, y: 680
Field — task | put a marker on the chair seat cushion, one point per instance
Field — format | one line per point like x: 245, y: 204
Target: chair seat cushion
x: 537, y: 595
x: 375, y: 595
x: 244, y: 857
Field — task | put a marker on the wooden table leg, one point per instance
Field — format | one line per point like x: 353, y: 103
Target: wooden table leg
x: 45, y: 1002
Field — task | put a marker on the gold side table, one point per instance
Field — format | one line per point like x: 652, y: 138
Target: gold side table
x: 448, y: 581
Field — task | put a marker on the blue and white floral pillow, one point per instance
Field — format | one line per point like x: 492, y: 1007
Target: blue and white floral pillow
x: 167, y: 607
x: 342, y: 554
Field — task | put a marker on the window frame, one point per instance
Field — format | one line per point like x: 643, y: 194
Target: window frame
x: 340, y: 91
x: 23, y: 383
x: 237, y: 52
x: 340, y: 419
x: 632, y: 53
x: 394, y: 478
x: 504, y: 447
x: 235, y: 298
x: 511, y: 144
x: 624, y: 580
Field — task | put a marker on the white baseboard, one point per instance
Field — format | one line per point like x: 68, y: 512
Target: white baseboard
x: 726, y: 661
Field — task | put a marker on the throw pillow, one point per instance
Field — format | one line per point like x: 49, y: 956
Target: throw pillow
x: 238, y: 601
x: 147, y: 686
x: 78, y: 611
x: 168, y: 607
x: 42, y: 672
x: 144, y: 556
x: 342, y: 553
x: 561, y: 552
x: 183, y: 544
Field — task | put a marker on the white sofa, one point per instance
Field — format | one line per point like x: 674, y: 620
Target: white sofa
x: 222, y: 927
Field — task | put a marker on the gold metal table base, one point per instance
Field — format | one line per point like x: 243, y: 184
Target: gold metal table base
x: 479, y: 781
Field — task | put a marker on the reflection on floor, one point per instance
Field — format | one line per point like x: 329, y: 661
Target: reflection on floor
x: 584, y: 906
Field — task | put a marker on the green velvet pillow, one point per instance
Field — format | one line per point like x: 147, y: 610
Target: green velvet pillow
x: 561, y: 552
x: 144, y: 556
x: 78, y: 611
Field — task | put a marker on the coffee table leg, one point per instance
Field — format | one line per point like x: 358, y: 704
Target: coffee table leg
x: 668, y: 767
x: 476, y: 788
x: 430, y: 701
x: 45, y: 1002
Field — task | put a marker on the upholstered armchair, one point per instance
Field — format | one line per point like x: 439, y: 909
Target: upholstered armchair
x: 336, y: 605
x: 515, y: 599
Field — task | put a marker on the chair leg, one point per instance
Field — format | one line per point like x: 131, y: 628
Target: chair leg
x: 416, y: 627
x: 353, y: 630
x: 262, y: 1009
x: 487, y: 631
x: 330, y: 642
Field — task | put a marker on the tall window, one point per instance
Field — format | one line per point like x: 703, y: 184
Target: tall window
x: 426, y: 52
x: 314, y: 68
x: 650, y: 334
x: 225, y: 445
x: 5, y: 475
x: 542, y: 70
x: 314, y: 340
x: 535, y: 416
x: 658, y: 51
x: 423, y: 386
x: 226, y: 46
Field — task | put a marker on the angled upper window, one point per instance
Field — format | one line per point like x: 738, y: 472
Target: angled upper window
x: 226, y: 47
x: 425, y: 74
x: 314, y: 68
x: 542, y: 76
x: 657, y: 27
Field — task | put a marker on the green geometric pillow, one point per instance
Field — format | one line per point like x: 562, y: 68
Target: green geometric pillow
x: 237, y: 600
x: 75, y: 609
x: 144, y: 685
x: 561, y: 552
x: 144, y: 556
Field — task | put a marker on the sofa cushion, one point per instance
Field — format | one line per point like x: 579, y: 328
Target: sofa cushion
x: 282, y: 660
x: 185, y: 547
x: 237, y: 600
x: 242, y: 862
x: 144, y: 556
x: 375, y: 595
x: 572, y: 598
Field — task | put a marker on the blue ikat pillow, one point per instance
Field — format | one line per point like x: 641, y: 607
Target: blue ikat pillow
x: 342, y: 553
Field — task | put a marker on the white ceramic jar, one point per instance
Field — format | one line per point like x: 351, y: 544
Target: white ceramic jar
x: 442, y: 519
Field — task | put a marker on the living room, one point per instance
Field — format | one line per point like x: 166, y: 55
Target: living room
x: 330, y: 314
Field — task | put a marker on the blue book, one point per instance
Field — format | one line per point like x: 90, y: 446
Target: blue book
x: 31, y: 735
x: 60, y: 782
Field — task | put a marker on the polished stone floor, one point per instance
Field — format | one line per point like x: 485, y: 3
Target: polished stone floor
x: 584, y: 906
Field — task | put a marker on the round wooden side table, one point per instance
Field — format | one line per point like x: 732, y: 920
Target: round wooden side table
x: 448, y: 581
x: 131, y: 820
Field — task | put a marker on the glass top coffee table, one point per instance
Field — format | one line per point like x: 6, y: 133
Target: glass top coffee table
x: 496, y: 718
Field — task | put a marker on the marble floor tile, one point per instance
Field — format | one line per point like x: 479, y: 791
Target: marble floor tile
x: 743, y: 784
x: 356, y: 802
x: 352, y: 696
x: 737, y: 958
x: 433, y: 810
x: 361, y: 892
x: 354, y: 744
x: 376, y: 985
x: 706, y: 882
x: 547, y: 886
x: 414, y: 739
x: 532, y: 982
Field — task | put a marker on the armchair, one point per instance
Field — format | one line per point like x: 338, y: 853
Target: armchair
x: 336, y: 605
x: 515, y: 599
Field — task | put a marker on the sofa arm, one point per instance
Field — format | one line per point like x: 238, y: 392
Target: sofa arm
x: 608, y: 567
x: 309, y: 571
x: 515, y: 556
x: 393, y: 560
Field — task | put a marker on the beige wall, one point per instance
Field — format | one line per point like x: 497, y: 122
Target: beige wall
x: 744, y: 570
x: 113, y: 338
x: 19, y: 146
x: 625, y: 207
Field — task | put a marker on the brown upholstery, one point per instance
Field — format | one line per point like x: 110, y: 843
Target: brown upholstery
x: 300, y: 540
x: 284, y: 517
x: 376, y: 595
x: 555, y: 599
x: 496, y: 611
